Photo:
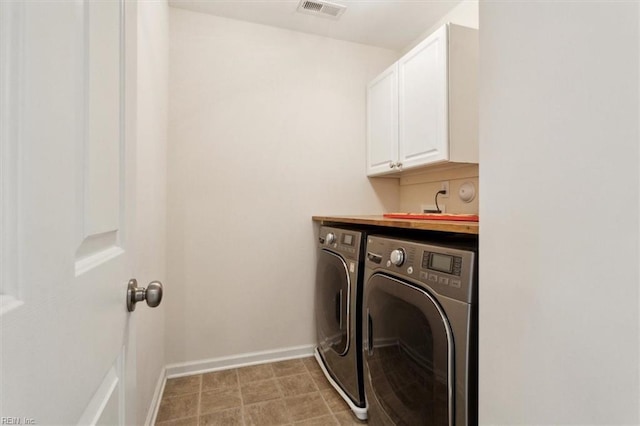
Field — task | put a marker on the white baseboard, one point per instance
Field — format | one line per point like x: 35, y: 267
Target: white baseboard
x: 234, y: 361
x: 157, y: 396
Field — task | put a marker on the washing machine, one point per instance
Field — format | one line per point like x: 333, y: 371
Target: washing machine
x: 420, y: 332
x: 338, y: 310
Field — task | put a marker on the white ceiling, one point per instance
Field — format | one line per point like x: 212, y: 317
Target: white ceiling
x: 392, y: 24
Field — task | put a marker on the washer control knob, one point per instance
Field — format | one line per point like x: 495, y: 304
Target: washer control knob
x: 397, y: 257
x: 330, y: 238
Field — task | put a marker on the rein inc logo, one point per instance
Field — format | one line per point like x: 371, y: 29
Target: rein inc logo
x: 17, y: 421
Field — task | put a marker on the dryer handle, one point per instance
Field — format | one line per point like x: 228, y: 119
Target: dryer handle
x: 369, y: 334
x: 339, y: 308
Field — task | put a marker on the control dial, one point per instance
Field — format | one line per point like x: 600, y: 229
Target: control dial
x: 330, y: 238
x: 397, y: 257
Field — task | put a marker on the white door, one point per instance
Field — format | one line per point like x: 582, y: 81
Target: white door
x: 423, y: 105
x: 67, y: 353
x: 382, y: 123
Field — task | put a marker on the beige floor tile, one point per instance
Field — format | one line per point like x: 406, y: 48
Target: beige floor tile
x: 297, y: 385
x: 288, y: 368
x: 318, y: 421
x: 219, y: 400
x: 282, y: 393
x: 311, y: 363
x: 264, y: 390
x: 269, y: 413
x: 191, y: 421
x: 231, y: 417
x: 255, y: 373
x: 347, y: 418
x: 182, y: 386
x: 177, y: 407
x: 220, y: 379
x: 320, y: 380
x: 307, y: 406
x: 334, y: 401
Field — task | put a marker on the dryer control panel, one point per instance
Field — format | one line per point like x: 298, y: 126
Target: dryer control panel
x: 344, y: 241
x: 445, y: 270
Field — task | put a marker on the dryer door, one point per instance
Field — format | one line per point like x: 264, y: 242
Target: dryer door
x: 333, y: 288
x: 408, y: 354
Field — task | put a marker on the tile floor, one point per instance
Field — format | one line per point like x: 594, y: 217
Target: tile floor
x: 291, y: 392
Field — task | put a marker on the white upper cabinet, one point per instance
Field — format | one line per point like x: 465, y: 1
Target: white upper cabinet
x: 382, y: 122
x: 423, y: 110
x: 422, y: 78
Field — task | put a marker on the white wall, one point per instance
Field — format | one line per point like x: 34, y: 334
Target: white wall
x: 153, y: 69
x: 559, y: 274
x: 267, y: 128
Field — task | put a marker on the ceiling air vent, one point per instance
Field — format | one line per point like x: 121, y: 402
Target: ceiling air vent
x: 321, y: 8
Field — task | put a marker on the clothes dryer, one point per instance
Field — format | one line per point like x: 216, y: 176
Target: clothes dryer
x: 420, y: 338
x: 338, y: 310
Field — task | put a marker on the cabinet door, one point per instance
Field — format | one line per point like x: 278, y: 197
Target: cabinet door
x: 382, y: 123
x: 423, y: 115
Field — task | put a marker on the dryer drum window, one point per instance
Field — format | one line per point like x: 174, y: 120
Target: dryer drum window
x: 409, y: 354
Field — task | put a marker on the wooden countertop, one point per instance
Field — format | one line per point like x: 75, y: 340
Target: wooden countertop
x: 423, y: 225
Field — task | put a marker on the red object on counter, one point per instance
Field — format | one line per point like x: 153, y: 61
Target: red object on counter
x: 434, y: 216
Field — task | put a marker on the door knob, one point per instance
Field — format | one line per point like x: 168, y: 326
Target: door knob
x: 152, y: 294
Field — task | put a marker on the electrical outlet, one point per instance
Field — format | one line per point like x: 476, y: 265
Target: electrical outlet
x: 444, y: 186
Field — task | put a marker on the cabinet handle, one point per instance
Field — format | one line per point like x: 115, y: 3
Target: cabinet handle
x: 392, y: 165
x: 399, y: 165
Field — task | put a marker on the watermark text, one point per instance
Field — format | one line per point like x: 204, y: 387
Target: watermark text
x: 17, y: 421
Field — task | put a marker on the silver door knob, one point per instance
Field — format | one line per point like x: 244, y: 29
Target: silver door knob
x: 152, y: 294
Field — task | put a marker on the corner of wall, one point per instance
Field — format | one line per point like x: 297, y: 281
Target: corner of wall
x: 466, y: 14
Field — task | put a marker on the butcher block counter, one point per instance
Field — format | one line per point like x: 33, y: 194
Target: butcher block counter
x: 459, y: 227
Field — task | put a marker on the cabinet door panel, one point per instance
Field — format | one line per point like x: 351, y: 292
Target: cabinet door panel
x: 423, y: 114
x: 382, y: 123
